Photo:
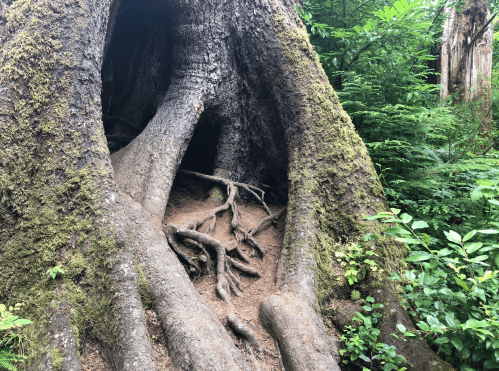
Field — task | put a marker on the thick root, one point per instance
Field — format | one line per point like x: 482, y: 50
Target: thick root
x: 62, y: 342
x: 238, y: 326
x: 170, y: 236
x: 195, y: 338
x: 146, y: 167
x: 302, y: 342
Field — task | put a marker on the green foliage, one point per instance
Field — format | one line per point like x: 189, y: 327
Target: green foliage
x: 52, y: 272
x: 355, y: 261
x: 452, y: 294
x: 10, y: 340
x: 361, y: 346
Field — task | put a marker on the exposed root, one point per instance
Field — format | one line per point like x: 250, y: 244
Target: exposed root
x: 238, y: 326
x: 227, y: 282
x: 170, y: 236
x: 243, y: 268
x: 272, y: 217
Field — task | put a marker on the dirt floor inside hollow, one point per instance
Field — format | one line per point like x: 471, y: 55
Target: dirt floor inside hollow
x: 189, y: 200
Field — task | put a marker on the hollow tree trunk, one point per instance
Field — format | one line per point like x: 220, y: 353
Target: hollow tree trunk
x: 466, y: 57
x: 251, y: 65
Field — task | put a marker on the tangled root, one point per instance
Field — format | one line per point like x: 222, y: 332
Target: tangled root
x: 227, y: 281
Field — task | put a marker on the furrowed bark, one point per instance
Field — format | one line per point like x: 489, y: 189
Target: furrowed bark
x: 294, y: 324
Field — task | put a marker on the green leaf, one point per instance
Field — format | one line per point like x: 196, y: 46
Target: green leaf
x: 457, y: 343
x: 489, y: 231
x: 444, y: 252
x: 406, y: 218
x: 496, y: 259
x: 401, y: 327
x: 423, y: 326
x: 395, y: 211
x: 364, y: 358
x: 411, y: 241
x: 426, y: 238
x: 418, y: 257
x: 389, y: 366
x: 433, y: 264
x: 370, y: 299
x: 453, y: 237
x: 439, y: 305
x: 469, y: 235
x: 472, y: 247
x: 442, y: 340
x: 419, y: 224
x: 397, y: 230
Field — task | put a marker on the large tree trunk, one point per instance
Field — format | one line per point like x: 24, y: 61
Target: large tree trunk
x: 249, y: 69
x: 466, y: 57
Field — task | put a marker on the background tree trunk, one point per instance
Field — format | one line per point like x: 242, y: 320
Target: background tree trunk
x: 247, y: 69
x: 466, y: 57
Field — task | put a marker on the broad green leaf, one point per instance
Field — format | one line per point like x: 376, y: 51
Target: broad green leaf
x: 461, y: 283
x: 457, y: 343
x: 401, y: 327
x: 418, y: 257
x: 419, y: 224
x: 480, y: 293
x: 469, y: 235
x: 472, y: 247
x: 364, y: 358
x: 489, y: 231
x: 496, y: 259
x: 478, y: 259
x: 433, y: 264
x: 411, y: 276
x: 426, y: 238
x: 439, y: 305
x: 395, y: 211
x: 442, y: 340
x: 370, y: 299
x: 444, y: 252
x: 411, y: 241
x: 397, y: 230
x: 453, y: 237
x: 406, y: 218
x: 423, y: 326
x: 450, y: 321
x: 432, y: 321
x: 22, y: 322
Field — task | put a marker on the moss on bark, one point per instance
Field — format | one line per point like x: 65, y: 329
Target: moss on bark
x: 50, y: 197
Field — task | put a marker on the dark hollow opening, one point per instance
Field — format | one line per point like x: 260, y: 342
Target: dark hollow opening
x: 202, y: 150
x: 136, y: 70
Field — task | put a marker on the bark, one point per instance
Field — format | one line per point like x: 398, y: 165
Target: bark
x: 249, y: 68
x: 466, y: 57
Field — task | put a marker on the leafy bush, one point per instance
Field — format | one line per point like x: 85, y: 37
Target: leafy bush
x: 10, y: 340
x: 362, y: 346
x: 452, y: 292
